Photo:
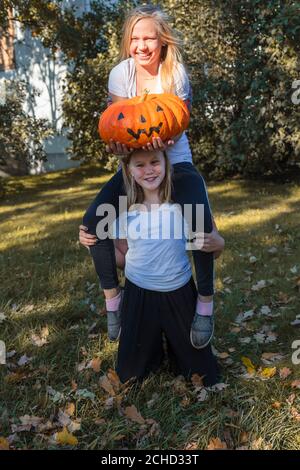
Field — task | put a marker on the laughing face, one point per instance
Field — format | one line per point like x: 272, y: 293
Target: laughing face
x: 145, y: 45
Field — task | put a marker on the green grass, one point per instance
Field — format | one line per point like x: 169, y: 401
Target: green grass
x: 45, y: 282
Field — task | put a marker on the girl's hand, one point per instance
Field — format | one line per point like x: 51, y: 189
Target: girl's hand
x: 86, y: 239
x: 117, y: 148
x: 212, y: 242
x: 158, y: 144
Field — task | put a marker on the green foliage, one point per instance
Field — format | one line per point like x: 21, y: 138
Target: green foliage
x: 243, y: 58
x: 21, y: 135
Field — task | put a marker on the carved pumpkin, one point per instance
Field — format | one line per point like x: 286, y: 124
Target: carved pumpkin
x: 136, y: 121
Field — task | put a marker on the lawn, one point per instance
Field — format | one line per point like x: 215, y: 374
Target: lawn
x: 58, y: 386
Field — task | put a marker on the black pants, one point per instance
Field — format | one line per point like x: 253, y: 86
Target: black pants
x: 188, y: 188
x: 146, y: 315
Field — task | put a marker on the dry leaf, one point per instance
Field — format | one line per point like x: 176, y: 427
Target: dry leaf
x: 70, y: 409
x: 284, y: 372
x: 295, y: 384
x: 4, y: 444
x: 267, y: 372
x: 40, y: 340
x: 202, y: 396
x: 259, y: 285
x: 95, y: 364
x: 276, y: 405
x: 216, y: 444
x: 271, y: 357
x: 248, y: 364
x: 290, y: 399
x: 114, y: 379
x: 32, y: 420
x: 63, y: 418
x: 223, y: 355
x: 185, y: 402
x: 191, y: 446
x: 106, y: 385
x: 244, y: 437
x: 74, y: 385
x: 132, y: 413
x: 295, y: 414
x: 99, y: 421
x: 66, y: 438
x: 15, y: 377
x: 197, y: 381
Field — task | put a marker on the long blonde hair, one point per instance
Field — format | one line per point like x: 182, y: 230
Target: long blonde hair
x: 171, y: 55
x: 135, y: 193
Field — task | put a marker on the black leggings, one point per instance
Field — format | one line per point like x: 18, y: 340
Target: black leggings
x: 188, y: 188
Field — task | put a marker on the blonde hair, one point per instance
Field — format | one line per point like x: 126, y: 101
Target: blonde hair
x: 171, y: 55
x: 135, y: 193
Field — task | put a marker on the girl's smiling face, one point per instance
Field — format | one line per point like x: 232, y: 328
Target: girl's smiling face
x: 145, y: 44
x: 148, y: 169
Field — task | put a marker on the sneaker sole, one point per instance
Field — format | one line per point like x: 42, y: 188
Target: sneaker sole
x: 203, y: 345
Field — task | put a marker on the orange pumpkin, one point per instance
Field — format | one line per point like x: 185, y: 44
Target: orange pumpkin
x: 134, y: 122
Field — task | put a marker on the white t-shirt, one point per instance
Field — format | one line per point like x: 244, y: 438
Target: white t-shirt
x: 156, y: 258
x: 122, y: 82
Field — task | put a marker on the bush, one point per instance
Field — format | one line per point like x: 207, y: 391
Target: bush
x: 21, y: 135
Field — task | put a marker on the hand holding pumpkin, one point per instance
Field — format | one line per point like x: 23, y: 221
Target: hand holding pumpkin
x: 117, y: 148
x: 148, y: 122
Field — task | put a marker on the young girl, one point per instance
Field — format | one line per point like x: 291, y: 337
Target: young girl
x: 150, y: 58
x: 160, y: 295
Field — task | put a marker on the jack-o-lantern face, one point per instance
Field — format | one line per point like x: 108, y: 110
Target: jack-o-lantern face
x: 134, y: 122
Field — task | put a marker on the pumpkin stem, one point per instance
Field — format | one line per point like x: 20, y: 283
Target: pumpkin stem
x: 144, y: 95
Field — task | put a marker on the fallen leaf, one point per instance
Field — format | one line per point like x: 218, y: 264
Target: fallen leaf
x: 267, y: 372
x: 248, y: 364
x: 290, y: 400
x: 284, y: 372
x: 197, y: 381
x: 95, y: 364
x: 15, y: 377
x: 218, y: 387
x: 216, y: 444
x: 2, y: 317
x: 24, y: 360
x: 70, y: 409
x: 66, y: 438
x: 244, y: 437
x: 295, y: 414
x: 202, y: 396
x: 259, y: 285
x: 4, y: 444
x: 244, y: 316
x: 86, y: 394
x: 295, y: 384
x: 74, y: 385
x: 63, y: 418
x: 245, y: 340
x: 114, y: 379
x: 191, y: 446
x: 185, y: 402
x: 40, y: 340
x: 132, y: 413
x: 106, y: 385
x: 99, y: 421
x: 271, y: 357
x: 276, y: 405
x: 223, y: 355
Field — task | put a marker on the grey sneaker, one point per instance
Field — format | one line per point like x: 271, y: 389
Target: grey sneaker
x: 114, y: 321
x: 202, y: 330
